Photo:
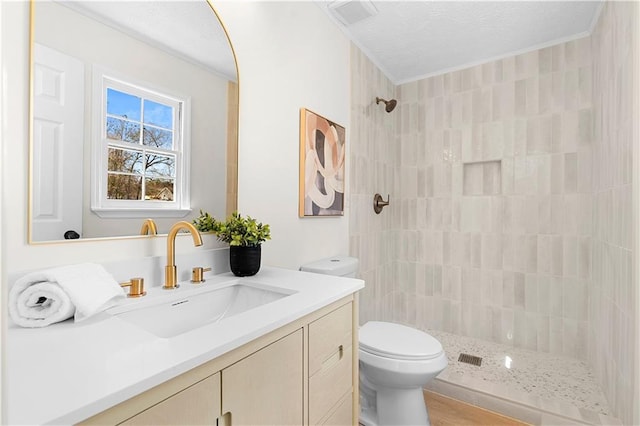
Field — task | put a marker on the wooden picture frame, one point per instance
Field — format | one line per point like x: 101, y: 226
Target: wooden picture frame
x: 322, y: 166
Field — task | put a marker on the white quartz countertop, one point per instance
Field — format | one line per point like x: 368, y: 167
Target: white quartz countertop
x: 67, y: 372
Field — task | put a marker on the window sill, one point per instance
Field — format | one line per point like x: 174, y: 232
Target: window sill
x: 139, y: 213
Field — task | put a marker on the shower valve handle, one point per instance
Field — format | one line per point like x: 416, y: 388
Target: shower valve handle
x: 379, y: 203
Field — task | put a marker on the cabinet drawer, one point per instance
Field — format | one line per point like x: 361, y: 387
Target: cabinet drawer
x: 327, y: 335
x: 330, y: 384
x: 343, y: 415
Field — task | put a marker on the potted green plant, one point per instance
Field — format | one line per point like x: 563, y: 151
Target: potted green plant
x: 244, y: 236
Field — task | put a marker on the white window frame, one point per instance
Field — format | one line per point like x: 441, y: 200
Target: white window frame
x: 100, y: 204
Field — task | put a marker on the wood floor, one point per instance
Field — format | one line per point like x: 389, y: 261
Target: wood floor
x: 445, y: 411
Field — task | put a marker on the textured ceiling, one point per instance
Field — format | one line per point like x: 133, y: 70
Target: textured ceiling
x: 187, y: 29
x: 409, y: 40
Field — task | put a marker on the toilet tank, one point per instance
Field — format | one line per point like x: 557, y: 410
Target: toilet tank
x: 342, y: 266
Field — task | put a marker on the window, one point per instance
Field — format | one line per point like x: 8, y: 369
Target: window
x: 141, y: 151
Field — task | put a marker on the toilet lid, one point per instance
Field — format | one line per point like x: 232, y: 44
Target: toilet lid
x: 397, y: 341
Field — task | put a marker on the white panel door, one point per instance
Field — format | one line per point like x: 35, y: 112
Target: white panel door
x: 58, y: 135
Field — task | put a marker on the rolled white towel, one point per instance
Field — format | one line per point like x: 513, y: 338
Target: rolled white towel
x: 39, y: 305
x: 44, y: 297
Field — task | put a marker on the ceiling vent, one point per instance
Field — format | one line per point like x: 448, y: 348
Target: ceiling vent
x: 348, y: 12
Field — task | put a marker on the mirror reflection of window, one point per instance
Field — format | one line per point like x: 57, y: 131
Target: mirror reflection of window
x: 149, y: 173
x: 145, y: 165
x: 141, y: 131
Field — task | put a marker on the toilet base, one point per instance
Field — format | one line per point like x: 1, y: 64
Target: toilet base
x: 368, y: 417
x: 395, y: 407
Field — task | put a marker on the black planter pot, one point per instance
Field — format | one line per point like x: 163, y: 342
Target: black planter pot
x: 244, y: 261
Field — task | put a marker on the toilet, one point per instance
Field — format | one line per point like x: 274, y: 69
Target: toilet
x: 396, y: 361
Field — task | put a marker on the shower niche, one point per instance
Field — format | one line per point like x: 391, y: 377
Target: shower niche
x: 482, y: 178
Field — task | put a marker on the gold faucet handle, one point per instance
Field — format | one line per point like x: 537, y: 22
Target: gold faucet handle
x: 197, y: 274
x: 136, y: 287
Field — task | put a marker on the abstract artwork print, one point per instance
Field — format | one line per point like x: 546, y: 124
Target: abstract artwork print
x: 322, y: 158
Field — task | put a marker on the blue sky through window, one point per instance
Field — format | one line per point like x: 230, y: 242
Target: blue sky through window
x: 123, y: 105
x: 130, y: 106
x: 158, y: 114
x: 135, y: 113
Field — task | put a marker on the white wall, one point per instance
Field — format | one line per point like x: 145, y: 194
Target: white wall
x: 289, y: 56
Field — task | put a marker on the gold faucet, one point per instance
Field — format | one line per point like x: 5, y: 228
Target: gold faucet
x: 170, y: 271
x: 149, y: 227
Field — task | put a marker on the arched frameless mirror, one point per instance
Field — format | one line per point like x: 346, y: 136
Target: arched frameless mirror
x: 134, y: 115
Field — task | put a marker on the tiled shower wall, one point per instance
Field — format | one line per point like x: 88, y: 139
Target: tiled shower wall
x: 374, y: 153
x: 613, y: 330
x: 495, y: 174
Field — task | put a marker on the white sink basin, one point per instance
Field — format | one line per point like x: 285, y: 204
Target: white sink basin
x: 186, y: 313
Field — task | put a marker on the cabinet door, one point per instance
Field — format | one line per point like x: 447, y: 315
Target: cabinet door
x: 266, y: 387
x: 198, y: 404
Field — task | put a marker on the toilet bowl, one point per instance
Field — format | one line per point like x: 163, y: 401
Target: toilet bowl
x: 396, y: 361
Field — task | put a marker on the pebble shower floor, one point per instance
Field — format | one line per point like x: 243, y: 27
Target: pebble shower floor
x: 523, y: 374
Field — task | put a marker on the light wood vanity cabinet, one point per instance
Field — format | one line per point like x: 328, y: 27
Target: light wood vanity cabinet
x: 304, y: 373
x: 331, y: 367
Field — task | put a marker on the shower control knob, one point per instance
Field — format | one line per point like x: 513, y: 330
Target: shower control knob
x: 379, y: 203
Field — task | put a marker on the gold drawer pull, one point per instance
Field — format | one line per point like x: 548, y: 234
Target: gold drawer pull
x: 334, y: 358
